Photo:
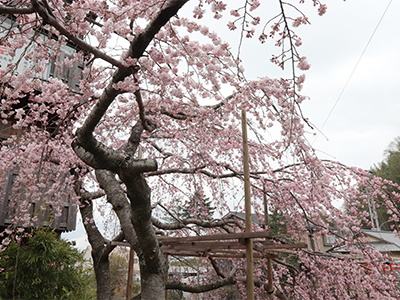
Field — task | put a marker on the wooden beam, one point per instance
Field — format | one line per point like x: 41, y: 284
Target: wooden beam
x: 220, y: 255
x: 207, y: 246
x: 166, y: 279
x: 201, y: 247
x: 247, y: 204
x: 284, y: 246
x: 216, y: 237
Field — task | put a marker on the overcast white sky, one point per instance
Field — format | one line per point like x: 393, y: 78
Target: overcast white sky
x: 367, y: 116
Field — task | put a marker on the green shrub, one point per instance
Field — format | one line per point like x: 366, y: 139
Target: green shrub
x: 43, y: 268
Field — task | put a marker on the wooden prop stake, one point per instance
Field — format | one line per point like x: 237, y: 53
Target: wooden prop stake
x: 166, y: 278
x: 269, y: 262
x: 249, y: 242
x: 130, y: 274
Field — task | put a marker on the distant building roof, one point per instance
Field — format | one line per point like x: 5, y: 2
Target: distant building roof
x: 242, y: 216
x: 388, y: 242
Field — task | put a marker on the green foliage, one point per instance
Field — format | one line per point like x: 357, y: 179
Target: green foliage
x: 198, y: 207
x: 136, y: 287
x: 278, y: 224
x: 388, y: 169
x: 42, y: 268
x: 175, y: 295
x: 118, y: 272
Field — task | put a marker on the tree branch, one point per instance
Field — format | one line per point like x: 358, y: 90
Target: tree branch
x: 136, y: 50
x: 102, y: 157
x: 183, y: 223
x: 259, y: 283
x: 175, y: 285
x: 49, y: 18
x: 8, y: 10
x: 117, y: 198
x: 91, y: 195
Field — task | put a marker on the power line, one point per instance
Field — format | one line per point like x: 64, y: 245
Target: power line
x: 354, y: 69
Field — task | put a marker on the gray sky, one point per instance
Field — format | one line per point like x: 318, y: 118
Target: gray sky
x: 367, y: 116
x: 357, y: 125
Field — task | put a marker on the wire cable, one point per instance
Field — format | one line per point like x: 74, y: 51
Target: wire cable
x: 354, y: 69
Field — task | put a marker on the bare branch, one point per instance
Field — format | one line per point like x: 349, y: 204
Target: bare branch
x: 198, y: 170
x: 91, y: 195
x: 49, y: 18
x: 101, y: 157
x: 183, y: 223
x: 8, y: 10
x: 175, y: 285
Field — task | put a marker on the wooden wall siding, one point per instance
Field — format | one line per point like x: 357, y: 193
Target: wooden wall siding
x: 71, y: 76
x: 45, y: 215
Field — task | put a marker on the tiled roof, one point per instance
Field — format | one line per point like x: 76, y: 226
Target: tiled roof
x: 254, y: 217
x: 385, y: 236
x: 388, y: 242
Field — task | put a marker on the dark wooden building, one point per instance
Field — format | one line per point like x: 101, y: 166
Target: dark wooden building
x: 42, y: 215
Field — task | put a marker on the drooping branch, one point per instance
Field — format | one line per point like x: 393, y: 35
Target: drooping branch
x: 49, y: 18
x: 259, y: 283
x: 183, y: 116
x: 199, y: 170
x: 136, y: 50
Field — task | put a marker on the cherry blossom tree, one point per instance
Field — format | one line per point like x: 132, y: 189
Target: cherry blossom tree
x: 158, y: 80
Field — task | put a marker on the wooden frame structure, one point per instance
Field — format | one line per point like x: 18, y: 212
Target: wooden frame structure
x: 221, y: 246
x: 229, y: 245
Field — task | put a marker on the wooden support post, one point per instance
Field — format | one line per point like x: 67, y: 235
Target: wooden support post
x: 249, y: 242
x: 130, y: 274
x: 166, y: 278
x: 266, y: 220
x: 269, y: 262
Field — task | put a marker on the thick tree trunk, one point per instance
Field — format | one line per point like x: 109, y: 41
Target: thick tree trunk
x: 152, y: 285
x: 152, y: 261
x: 99, y: 253
x: 100, y: 250
x: 153, y: 265
x: 103, y: 277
